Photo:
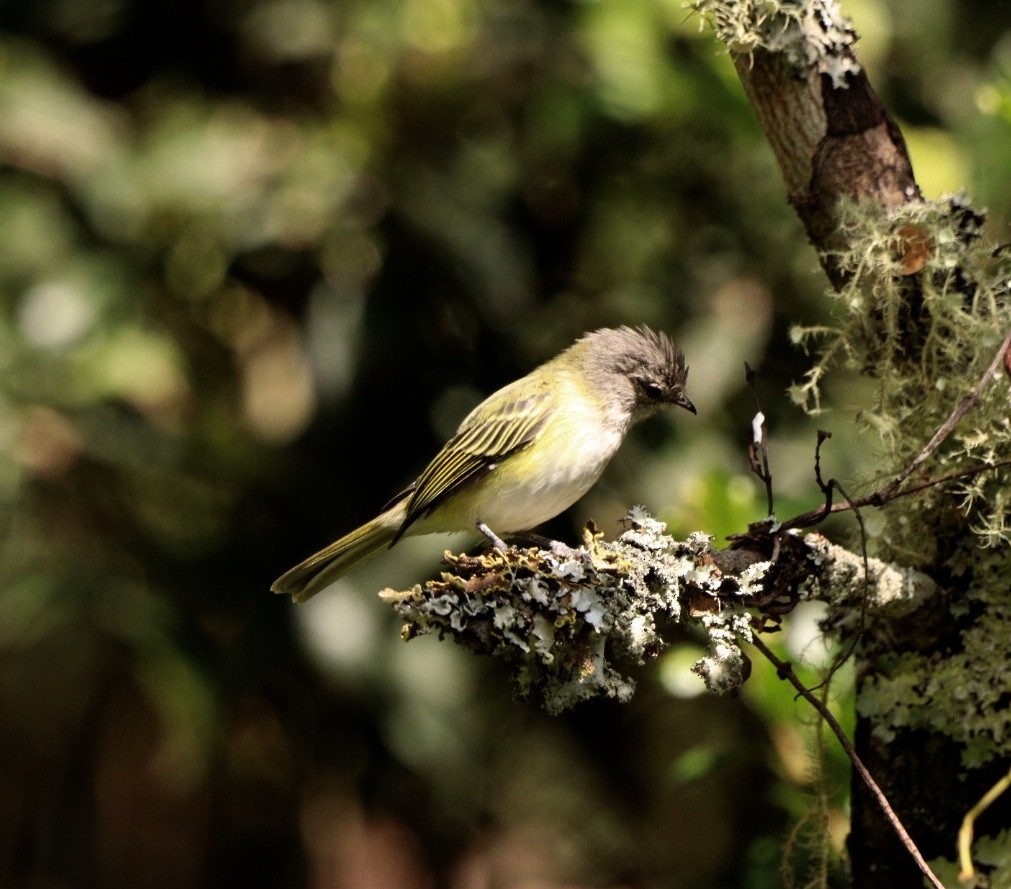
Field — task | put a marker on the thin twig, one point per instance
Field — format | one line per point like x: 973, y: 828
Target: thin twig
x: 823, y: 437
x: 827, y: 489
x: 857, y: 634
x: 961, y: 409
x: 820, y: 513
x: 758, y: 447
x: 894, y: 489
x: 784, y: 670
x: 948, y: 477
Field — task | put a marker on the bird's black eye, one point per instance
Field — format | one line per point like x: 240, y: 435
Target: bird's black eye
x: 650, y: 390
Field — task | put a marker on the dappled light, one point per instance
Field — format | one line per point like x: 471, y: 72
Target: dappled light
x: 257, y: 261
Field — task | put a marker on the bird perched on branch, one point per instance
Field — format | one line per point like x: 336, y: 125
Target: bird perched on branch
x: 525, y: 454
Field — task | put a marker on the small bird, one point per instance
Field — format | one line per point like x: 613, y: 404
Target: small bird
x: 524, y: 454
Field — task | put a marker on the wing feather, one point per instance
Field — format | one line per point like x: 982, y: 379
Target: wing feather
x: 496, y: 429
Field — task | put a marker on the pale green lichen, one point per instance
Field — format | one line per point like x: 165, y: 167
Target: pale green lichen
x: 914, y: 319
x: 924, y: 312
x: 812, y: 35
x: 851, y: 583
x: 963, y: 695
x: 569, y: 622
x: 725, y: 667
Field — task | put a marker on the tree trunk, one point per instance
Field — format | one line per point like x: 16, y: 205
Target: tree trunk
x: 934, y: 745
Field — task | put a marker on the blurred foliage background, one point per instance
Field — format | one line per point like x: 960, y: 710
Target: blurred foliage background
x: 257, y: 258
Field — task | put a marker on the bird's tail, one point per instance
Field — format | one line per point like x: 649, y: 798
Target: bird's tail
x: 320, y: 570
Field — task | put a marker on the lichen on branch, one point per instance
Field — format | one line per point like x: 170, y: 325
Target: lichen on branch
x: 813, y: 34
x: 831, y: 136
x: 571, y: 622
x: 923, y: 312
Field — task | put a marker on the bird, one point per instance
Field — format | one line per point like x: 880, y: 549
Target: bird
x: 524, y: 454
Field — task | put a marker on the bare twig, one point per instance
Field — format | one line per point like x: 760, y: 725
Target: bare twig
x: 894, y: 489
x: 961, y: 409
x: 758, y: 447
x: 828, y: 487
x: 827, y: 490
x: 820, y: 513
x: 785, y: 671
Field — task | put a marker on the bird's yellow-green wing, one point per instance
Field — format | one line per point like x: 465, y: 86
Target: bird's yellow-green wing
x: 499, y: 427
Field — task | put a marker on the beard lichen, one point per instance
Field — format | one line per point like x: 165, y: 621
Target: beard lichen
x: 924, y: 311
x: 923, y: 314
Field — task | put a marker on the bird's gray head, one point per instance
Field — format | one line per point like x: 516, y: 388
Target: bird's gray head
x: 639, y: 367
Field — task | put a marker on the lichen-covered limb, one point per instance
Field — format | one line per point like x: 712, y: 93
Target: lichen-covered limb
x: 832, y: 137
x: 852, y: 585
x: 811, y: 34
x: 570, y: 622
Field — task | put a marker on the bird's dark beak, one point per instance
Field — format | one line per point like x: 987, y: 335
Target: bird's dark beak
x: 685, y: 402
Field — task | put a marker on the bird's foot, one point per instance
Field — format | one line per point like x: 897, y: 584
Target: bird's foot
x: 496, y: 541
x: 556, y: 547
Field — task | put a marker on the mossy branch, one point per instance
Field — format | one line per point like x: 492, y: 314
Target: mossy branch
x: 833, y: 139
x: 922, y: 304
x: 570, y: 623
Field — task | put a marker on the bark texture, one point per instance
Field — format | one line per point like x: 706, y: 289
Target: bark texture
x: 835, y: 143
x: 832, y: 143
